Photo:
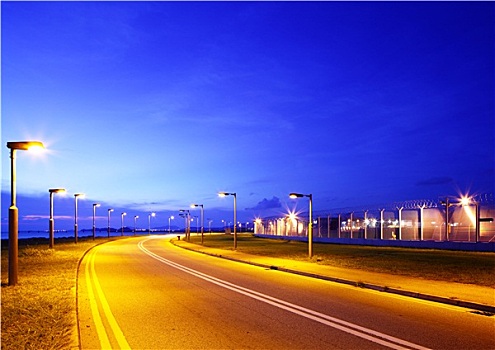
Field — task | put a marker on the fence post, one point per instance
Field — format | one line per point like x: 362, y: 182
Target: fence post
x: 365, y: 224
x: 381, y: 223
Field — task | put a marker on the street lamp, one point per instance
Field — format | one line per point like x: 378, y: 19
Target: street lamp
x: 310, y: 224
x: 202, y: 219
x: 185, y: 214
x: 135, y: 218
x: 170, y: 218
x: 108, y: 226
x: 51, y: 222
x: 122, y: 222
x: 76, y: 195
x: 13, y: 212
x: 149, y: 222
x: 197, y: 223
x: 95, y: 205
x: 223, y: 194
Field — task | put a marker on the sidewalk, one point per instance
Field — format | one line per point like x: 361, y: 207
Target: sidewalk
x: 464, y: 295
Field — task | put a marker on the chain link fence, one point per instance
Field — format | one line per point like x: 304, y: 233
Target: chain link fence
x: 451, y: 219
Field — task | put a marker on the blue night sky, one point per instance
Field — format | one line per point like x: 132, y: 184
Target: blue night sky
x: 152, y: 106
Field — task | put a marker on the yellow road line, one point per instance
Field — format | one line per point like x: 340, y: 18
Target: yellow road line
x: 100, y: 329
x: 117, y: 332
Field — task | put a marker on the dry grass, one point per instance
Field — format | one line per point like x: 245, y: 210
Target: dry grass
x: 39, y: 313
x: 453, y: 266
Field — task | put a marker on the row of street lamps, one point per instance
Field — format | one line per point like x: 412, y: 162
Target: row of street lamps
x: 184, y: 213
x: 95, y: 205
x: 291, y: 195
x: 14, y: 146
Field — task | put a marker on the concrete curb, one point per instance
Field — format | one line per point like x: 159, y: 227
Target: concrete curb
x: 488, y: 309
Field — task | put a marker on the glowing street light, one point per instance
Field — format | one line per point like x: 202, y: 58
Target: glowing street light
x: 310, y: 224
x: 95, y: 205
x: 13, y: 211
x: 51, y: 222
x: 135, y: 218
x: 202, y: 219
x: 76, y: 196
x: 149, y: 222
x: 170, y: 218
x: 224, y: 194
x: 122, y: 222
x: 108, y: 225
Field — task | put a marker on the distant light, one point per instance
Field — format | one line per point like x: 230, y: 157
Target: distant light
x: 57, y: 190
x: 465, y: 200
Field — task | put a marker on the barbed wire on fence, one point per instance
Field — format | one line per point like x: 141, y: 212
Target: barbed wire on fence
x: 417, y: 203
x: 480, y: 199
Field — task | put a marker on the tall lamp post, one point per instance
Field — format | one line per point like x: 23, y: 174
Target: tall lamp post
x: 149, y: 222
x: 201, y: 206
x: 135, y: 218
x: 185, y: 214
x: 108, y: 225
x: 122, y: 222
x: 169, y: 218
x: 76, y: 196
x: 310, y: 224
x: 95, y: 205
x: 223, y: 194
x: 51, y: 222
x: 13, y: 212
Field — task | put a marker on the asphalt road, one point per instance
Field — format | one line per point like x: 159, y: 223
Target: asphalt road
x: 145, y: 293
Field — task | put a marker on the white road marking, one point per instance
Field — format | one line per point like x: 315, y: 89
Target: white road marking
x: 361, y: 332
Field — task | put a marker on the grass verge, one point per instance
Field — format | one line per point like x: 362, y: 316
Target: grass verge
x: 442, y: 265
x: 39, y: 313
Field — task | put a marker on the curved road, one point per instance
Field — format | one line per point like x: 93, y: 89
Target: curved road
x: 145, y: 293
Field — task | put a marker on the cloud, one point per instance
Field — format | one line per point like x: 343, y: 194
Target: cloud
x: 434, y: 181
x: 266, y: 204
x: 46, y: 217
